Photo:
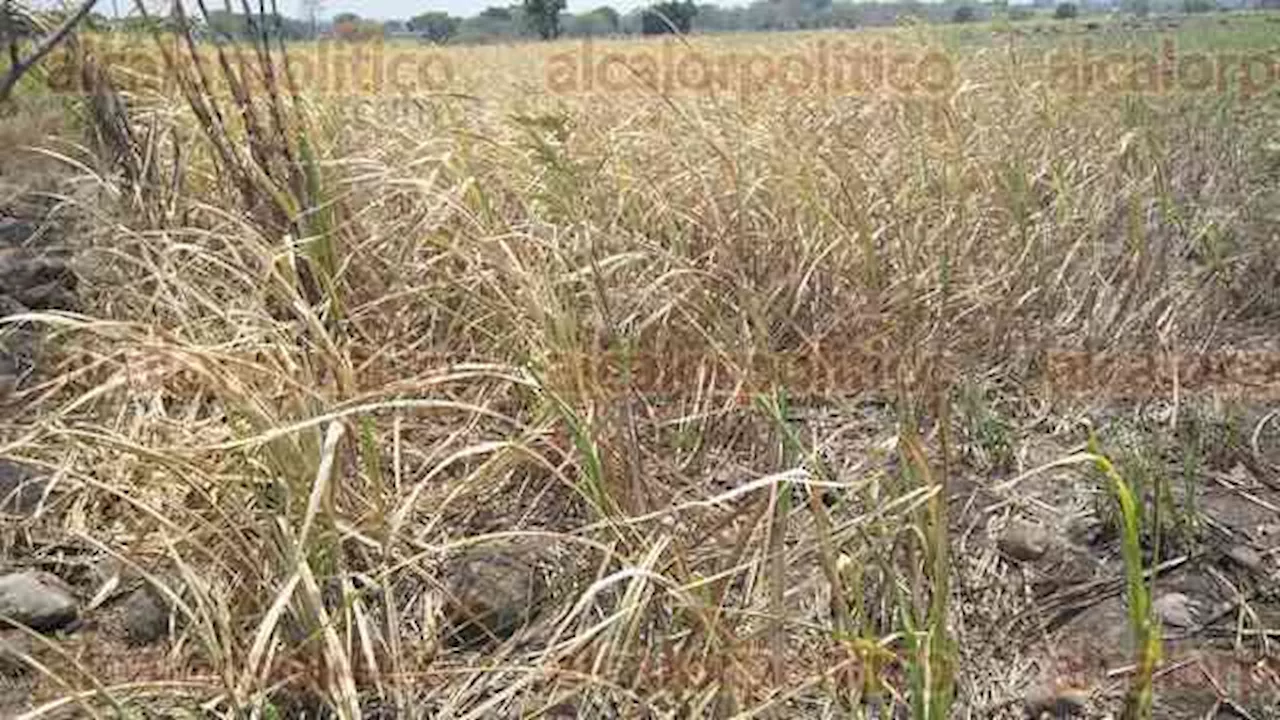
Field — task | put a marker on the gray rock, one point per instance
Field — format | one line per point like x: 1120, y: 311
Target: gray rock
x: 1055, y: 703
x: 38, y: 280
x: 1246, y: 557
x: 146, y: 617
x: 15, y: 232
x: 489, y: 594
x: 55, y: 295
x: 1175, y: 610
x: 17, y: 348
x: 1024, y: 541
x: 38, y: 600
x: 21, y: 488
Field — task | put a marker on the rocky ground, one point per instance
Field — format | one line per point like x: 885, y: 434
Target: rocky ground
x: 1040, y: 615
x: 1057, y: 572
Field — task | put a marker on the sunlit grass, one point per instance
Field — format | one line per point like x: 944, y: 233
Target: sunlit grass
x: 369, y: 330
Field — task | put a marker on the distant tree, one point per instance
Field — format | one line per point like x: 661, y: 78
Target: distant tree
x: 436, y: 26
x: 609, y: 16
x: 543, y: 17
x: 1141, y: 8
x: 672, y: 16
x: 346, y: 25
x: 220, y: 22
x: 1066, y: 11
x: 710, y: 17
x: 757, y: 16
x: 493, y: 24
x: 349, y: 26
x: 496, y: 13
x: 845, y: 15
x: 1198, y: 6
x: 601, y: 21
x: 964, y: 14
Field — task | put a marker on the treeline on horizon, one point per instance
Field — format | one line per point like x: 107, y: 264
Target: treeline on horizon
x: 547, y: 19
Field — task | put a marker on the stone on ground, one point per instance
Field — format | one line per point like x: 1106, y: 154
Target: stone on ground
x: 37, y: 600
x: 17, y: 348
x: 1246, y: 557
x: 1024, y: 541
x: 37, y: 279
x: 1175, y: 610
x: 489, y: 594
x: 146, y: 617
x: 15, y: 232
x: 1055, y: 703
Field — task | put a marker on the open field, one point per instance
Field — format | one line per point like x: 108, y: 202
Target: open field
x: 887, y: 373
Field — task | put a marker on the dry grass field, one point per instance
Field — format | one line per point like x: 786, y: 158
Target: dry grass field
x: 890, y: 373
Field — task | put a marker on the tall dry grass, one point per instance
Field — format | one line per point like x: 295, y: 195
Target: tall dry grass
x: 328, y: 348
